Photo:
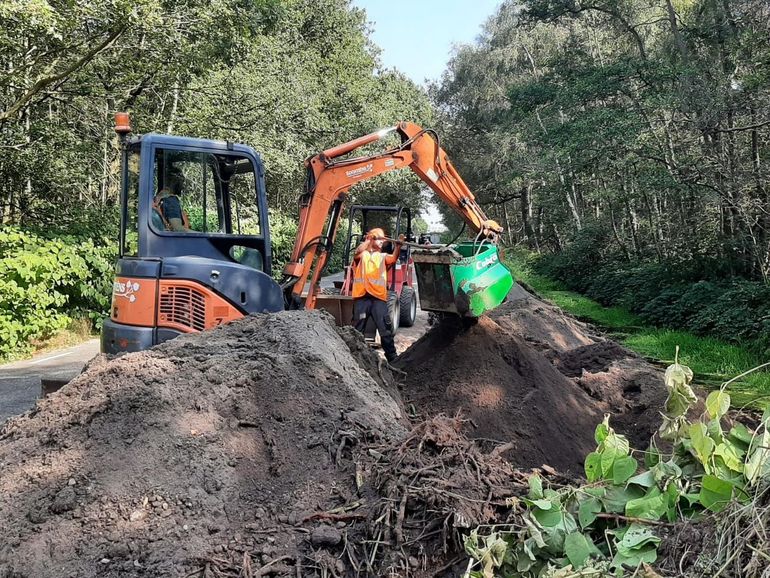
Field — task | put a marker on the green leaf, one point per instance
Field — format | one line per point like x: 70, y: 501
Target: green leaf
x: 739, y: 434
x: 758, y: 463
x: 717, y: 404
x: 649, y: 507
x: 548, y: 518
x: 652, y: 455
x: 616, y: 498
x: 593, y: 467
x: 715, y: 494
x: 535, y: 487
x: 672, y: 494
x: 608, y: 456
x: 666, y: 471
x: 543, y: 504
x: 702, y: 445
x: 622, y: 469
x: 600, y: 434
x: 577, y: 549
x: 631, y: 559
x: 637, y: 536
x: 645, y: 479
x: 587, y: 511
x: 616, y: 442
x: 731, y: 456
x: 714, y: 430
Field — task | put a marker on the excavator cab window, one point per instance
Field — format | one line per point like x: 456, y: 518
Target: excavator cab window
x: 130, y: 218
x: 212, y: 193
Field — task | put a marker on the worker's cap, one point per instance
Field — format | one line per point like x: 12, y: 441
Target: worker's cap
x: 376, y: 233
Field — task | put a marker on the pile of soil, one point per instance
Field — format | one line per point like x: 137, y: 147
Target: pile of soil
x: 530, y: 376
x: 225, y: 446
x: 278, y: 445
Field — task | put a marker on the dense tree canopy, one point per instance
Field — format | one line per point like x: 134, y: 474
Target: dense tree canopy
x: 639, y: 125
x: 289, y: 77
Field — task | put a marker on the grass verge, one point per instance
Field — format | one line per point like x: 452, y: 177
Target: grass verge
x: 714, y: 361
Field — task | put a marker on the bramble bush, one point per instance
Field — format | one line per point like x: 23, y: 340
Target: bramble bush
x: 46, y: 283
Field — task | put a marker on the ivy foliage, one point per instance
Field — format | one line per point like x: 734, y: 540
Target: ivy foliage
x: 607, y: 527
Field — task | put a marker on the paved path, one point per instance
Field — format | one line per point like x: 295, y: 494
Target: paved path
x: 21, y: 381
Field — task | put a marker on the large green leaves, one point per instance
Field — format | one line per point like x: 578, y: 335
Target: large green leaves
x: 715, y: 493
x: 651, y: 506
x: 680, y: 398
x: 758, y: 464
x: 611, y: 459
x: 702, y: 444
x: 717, y: 404
x: 637, y: 544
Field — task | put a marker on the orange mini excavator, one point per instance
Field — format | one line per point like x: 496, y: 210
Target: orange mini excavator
x: 195, y: 246
x: 331, y: 174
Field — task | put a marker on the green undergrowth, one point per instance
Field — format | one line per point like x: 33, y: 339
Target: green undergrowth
x: 612, y: 525
x: 713, y: 360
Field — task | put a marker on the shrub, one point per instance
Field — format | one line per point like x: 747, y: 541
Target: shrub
x: 45, y: 281
x: 283, y: 231
x: 697, y: 295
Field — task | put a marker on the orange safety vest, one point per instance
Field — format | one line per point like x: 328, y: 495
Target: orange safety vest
x: 370, y: 275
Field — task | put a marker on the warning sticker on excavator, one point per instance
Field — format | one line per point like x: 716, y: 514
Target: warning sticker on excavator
x: 432, y: 175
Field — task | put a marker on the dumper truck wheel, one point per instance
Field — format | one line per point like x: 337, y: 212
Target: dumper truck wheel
x: 407, y: 306
x: 394, y: 309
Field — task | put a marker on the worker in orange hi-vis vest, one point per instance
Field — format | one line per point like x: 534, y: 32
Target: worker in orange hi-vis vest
x: 370, y: 287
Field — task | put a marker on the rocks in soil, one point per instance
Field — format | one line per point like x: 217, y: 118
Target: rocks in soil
x: 325, y: 537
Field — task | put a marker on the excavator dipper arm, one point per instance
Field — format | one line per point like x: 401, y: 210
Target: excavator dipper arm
x: 329, y: 178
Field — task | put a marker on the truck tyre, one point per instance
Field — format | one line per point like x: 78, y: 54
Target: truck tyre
x: 394, y: 310
x: 407, y: 306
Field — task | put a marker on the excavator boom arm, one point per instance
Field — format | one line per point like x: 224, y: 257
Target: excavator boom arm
x: 330, y: 178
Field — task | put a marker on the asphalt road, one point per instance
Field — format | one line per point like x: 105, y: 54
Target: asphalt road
x: 21, y: 381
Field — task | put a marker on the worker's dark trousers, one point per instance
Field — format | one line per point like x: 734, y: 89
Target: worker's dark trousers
x: 366, y: 306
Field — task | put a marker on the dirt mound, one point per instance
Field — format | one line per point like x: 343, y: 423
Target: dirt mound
x: 276, y: 445
x: 208, y: 448
x: 544, y: 326
x: 533, y: 377
x: 507, y: 390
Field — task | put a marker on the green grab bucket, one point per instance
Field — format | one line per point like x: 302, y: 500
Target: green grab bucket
x: 467, y: 279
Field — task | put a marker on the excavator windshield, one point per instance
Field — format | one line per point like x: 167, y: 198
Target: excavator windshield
x: 216, y: 193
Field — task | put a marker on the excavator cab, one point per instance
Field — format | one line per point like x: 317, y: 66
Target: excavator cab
x: 194, y: 248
